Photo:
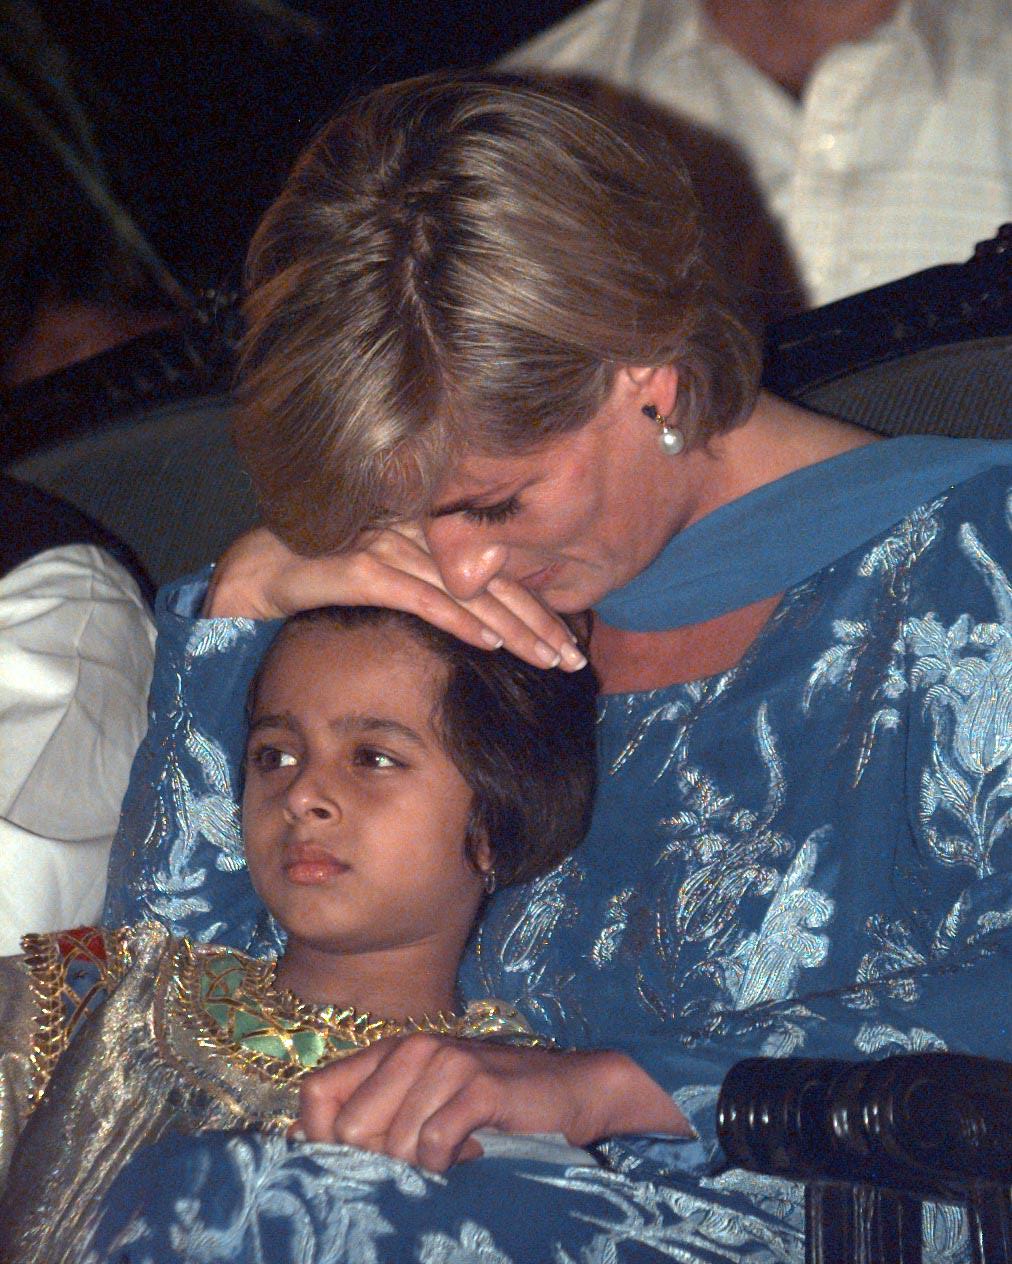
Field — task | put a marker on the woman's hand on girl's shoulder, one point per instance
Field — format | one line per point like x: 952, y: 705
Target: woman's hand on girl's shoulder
x: 259, y: 577
x: 420, y: 1098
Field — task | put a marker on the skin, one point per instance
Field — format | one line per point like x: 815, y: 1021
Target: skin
x: 595, y: 507
x: 786, y: 39
x: 354, y: 821
x: 509, y: 542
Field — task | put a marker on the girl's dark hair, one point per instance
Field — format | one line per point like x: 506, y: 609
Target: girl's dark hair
x: 523, y: 739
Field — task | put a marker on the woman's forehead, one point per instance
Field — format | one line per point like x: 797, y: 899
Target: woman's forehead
x: 477, y: 476
x: 481, y: 474
x: 411, y: 492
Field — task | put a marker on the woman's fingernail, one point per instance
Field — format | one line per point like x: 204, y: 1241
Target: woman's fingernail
x: 572, y: 657
x: 550, y: 657
x: 296, y: 1134
x: 491, y: 639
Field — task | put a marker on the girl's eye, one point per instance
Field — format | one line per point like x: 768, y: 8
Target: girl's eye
x: 369, y: 757
x: 270, y: 758
x: 492, y: 514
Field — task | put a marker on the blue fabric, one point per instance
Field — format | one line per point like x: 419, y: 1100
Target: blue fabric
x: 810, y: 853
x: 741, y: 552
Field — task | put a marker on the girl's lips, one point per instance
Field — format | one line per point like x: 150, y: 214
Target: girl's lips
x: 308, y: 865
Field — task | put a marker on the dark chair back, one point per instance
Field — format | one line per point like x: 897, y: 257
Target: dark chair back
x: 928, y: 354
x: 166, y: 481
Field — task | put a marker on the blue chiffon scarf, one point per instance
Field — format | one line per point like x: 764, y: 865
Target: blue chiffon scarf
x: 786, y: 531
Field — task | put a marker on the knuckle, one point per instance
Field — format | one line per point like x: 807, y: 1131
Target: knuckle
x: 452, y: 1060
x: 430, y: 602
x: 434, y: 1137
x: 315, y: 1090
x: 353, y: 1132
x: 381, y: 545
x: 434, y: 1149
x: 420, y: 1045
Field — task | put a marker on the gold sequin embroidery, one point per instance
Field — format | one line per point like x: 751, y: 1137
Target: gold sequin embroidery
x: 61, y: 1009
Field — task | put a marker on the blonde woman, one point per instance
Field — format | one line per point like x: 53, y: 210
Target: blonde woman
x: 492, y: 378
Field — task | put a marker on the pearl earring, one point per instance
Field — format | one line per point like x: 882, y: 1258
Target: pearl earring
x: 671, y: 439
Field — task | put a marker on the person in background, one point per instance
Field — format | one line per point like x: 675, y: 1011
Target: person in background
x: 76, y: 650
x: 877, y: 129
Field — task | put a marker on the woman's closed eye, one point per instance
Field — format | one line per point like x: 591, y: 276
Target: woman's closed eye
x: 491, y: 514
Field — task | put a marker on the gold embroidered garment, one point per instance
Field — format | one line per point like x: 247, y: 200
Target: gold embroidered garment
x: 108, y: 1039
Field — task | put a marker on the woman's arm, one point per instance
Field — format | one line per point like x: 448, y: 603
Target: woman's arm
x: 419, y: 1098
x: 258, y: 577
x: 177, y: 856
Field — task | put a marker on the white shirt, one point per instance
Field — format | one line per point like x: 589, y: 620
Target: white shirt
x: 76, y: 650
x: 897, y: 157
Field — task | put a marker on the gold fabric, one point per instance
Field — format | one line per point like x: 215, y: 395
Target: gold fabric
x: 187, y: 1037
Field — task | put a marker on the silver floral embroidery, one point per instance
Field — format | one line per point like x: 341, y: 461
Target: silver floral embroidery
x: 615, y: 923
x: 473, y: 1245
x: 215, y: 636
x: 883, y: 1039
x: 324, y: 1197
x: 786, y: 943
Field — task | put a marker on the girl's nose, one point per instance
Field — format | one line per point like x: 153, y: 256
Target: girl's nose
x: 465, y: 564
x: 309, y: 799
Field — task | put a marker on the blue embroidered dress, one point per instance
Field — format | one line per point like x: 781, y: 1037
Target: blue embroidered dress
x: 809, y: 853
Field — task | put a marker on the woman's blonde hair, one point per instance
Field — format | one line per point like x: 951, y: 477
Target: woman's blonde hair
x: 463, y: 263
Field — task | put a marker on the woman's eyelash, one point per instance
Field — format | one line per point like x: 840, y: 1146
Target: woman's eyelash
x: 493, y: 513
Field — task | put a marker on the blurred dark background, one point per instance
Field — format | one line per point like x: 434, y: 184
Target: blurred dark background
x: 199, y: 106
x: 140, y: 142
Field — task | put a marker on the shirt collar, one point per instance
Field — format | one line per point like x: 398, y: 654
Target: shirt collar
x: 673, y: 28
x: 927, y: 24
x: 682, y: 27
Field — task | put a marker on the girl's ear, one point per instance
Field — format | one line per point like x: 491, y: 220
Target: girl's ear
x: 477, y: 846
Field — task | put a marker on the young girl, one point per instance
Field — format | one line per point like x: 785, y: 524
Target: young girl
x: 393, y: 777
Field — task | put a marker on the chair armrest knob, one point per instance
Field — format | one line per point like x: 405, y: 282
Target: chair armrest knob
x: 931, y: 1124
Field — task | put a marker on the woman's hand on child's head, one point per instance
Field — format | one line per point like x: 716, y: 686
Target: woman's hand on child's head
x: 259, y: 577
x: 419, y: 1098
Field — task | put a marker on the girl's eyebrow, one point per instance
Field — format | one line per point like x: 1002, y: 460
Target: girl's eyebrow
x: 351, y: 723
x: 356, y: 723
x: 283, y: 720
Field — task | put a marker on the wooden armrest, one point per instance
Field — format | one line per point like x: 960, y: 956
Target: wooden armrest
x: 934, y: 1125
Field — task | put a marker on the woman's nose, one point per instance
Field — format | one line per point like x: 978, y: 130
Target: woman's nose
x: 309, y: 798
x: 465, y: 564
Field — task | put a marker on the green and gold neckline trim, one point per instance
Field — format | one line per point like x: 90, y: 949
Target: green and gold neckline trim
x: 232, y: 1005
